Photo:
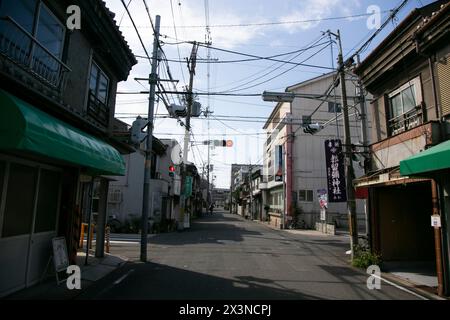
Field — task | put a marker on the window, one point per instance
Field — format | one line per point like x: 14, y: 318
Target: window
x: 306, y: 120
x: 22, y: 11
x: 99, y: 84
x: 50, y: 32
x: 47, y: 205
x: 19, y: 204
x: 40, y: 46
x: 305, y: 195
x: 334, y: 107
x: 405, y: 98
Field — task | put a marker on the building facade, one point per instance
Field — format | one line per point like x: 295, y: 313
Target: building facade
x: 57, y: 93
x: 294, y: 161
x: 408, y: 75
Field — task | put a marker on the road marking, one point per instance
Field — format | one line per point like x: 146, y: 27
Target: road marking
x: 123, y: 277
x: 126, y: 242
x: 400, y: 287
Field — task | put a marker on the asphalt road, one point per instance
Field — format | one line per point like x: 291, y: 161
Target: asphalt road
x: 226, y: 257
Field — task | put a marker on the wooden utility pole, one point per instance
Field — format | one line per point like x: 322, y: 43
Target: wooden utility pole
x: 349, y: 172
x: 190, y: 100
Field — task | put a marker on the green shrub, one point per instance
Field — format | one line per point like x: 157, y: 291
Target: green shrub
x: 363, y: 257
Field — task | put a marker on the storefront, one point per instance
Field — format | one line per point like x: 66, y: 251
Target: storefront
x: 41, y: 162
x: 434, y: 163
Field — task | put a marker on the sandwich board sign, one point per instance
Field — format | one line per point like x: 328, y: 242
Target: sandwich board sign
x: 60, y: 256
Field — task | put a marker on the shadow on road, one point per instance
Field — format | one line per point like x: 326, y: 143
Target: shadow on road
x: 152, y: 281
x: 215, y: 229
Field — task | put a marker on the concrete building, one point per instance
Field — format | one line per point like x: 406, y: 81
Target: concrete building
x: 294, y: 161
x: 238, y: 175
x: 126, y: 193
x: 58, y: 90
x: 408, y: 75
x: 220, y: 196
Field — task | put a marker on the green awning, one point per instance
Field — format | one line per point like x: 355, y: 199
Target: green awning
x: 433, y: 159
x: 24, y: 127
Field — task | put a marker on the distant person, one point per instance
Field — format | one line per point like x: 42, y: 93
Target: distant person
x: 211, y: 208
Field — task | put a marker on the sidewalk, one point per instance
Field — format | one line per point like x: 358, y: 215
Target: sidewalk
x: 96, y: 269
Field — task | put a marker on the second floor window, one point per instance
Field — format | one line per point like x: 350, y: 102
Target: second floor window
x: 32, y: 36
x: 405, y: 98
x: 334, y: 107
x: 99, y: 84
x: 305, y: 195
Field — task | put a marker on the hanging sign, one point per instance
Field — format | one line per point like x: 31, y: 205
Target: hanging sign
x: 335, y: 171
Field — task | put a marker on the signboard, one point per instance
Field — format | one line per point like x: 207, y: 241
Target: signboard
x: 322, y: 196
x: 60, y: 256
x: 436, y: 221
x: 188, y: 187
x: 335, y: 171
x: 278, y: 165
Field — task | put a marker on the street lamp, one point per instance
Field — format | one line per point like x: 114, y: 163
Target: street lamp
x: 278, y: 96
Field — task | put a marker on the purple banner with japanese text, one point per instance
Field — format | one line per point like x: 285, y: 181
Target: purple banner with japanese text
x: 335, y: 171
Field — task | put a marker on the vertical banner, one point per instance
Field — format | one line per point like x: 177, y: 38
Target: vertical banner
x: 278, y: 163
x: 335, y: 171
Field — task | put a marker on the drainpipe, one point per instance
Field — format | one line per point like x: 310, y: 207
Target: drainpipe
x: 437, y: 239
x: 289, y: 167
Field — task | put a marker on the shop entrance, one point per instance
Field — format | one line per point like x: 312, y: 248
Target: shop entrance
x: 405, y: 235
x: 29, y: 203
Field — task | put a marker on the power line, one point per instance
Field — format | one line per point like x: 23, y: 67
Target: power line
x: 136, y: 29
x: 262, y: 24
x: 250, y: 59
x: 178, y: 47
x: 274, y: 77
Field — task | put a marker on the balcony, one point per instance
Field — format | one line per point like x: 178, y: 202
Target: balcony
x: 406, y: 121
x: 97, y: 110
x: 26, y: 53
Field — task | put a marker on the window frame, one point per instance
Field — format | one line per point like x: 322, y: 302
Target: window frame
x: 336, y: 107
x: 307, y: 193
x: 36, y: 27
x: 97, y: 82
x: 39, y: 166
x: 417, y: 95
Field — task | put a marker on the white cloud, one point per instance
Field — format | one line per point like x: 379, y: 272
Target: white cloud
x: 315, y: 10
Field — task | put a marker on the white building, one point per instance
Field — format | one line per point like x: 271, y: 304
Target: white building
x: 302, y: 155
x: 126, y: 193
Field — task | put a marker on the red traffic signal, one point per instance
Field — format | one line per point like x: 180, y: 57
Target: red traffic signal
x: 171, y: 168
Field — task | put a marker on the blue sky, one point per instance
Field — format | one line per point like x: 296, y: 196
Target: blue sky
x: 256, y: 30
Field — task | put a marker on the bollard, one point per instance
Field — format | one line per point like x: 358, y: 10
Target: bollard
x: 107, y: 233
x: 83, y: 225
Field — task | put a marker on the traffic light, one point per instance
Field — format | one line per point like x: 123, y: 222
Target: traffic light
x: 171, y: 171
x: 137, y: 133
x: 223, y: 143
x: 312, y: 128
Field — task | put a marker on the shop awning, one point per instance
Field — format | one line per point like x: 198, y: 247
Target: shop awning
x: 26, y: 128
x: 433, y: 159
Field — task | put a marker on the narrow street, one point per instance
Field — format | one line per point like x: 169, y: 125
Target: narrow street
x: 226, y: 257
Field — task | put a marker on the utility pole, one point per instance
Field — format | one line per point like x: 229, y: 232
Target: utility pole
x: 349, y: 173
x: 153, y: 79
x: 190, y: 100
x: 363, y: 116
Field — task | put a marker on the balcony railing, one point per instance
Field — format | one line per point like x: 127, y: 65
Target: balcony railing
x: 19, y: 46
x: 97, y: 109
x: 406, y: 121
